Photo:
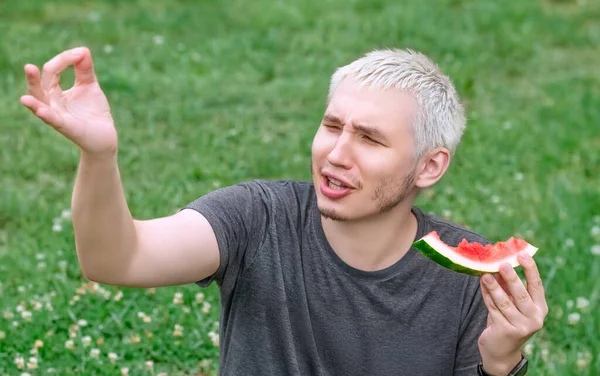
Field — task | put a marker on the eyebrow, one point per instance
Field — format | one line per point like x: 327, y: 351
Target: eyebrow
x: 363, y: 128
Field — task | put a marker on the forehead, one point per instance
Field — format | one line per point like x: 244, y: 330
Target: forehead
x: 392, y: 110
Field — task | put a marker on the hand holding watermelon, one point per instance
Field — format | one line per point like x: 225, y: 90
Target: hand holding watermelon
x: 515, y: 313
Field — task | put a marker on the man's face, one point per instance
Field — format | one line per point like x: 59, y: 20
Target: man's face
x: 362, y: 153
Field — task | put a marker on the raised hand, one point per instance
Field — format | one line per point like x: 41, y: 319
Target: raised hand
x: 516, y: 313
x: 82, y: 113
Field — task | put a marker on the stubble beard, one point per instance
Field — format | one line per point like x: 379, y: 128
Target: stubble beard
x: 389, y: 194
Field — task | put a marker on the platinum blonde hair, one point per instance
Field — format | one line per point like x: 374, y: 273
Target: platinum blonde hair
x: 440, y: 119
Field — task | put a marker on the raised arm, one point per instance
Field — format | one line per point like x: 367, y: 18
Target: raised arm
x: 113, y: 248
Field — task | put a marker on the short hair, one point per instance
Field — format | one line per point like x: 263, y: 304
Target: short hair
x: 440, y: 119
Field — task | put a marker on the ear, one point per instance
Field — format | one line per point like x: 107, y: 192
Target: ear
x: 432, y: 167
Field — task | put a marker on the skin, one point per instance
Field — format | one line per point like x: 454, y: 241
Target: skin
x: 371, y: 228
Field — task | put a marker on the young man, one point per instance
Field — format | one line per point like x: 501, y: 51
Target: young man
x: 315, y: 278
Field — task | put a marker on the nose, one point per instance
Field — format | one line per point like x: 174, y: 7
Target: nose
x: 341, y: 154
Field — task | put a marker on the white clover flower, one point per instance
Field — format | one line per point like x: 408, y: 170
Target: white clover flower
x: 158, y: 39
x: 118, y: 296
x: 26, y: 315
x: 65, y: 214
x: 178, y: 332
x: 178, y: 298
x: 57, y: 227
x: 86, y: 340
x: 95, y: 353
x: 569, y: 243
x: 582, y: 303
x: 113, y: 357
x: 70, y: 344
x: 2, y: 335
x: 38, y: 343
x: 596, y: 250
x: 82, y: 322
x: 205, y: 307
x: 124, y: 371
x: 573, y: 318
x: 199, y: 298
x: 528, y: 348
x: 108, y: 48
x: 32, y: 363
x: 519, y: 176
x: 149, y: 365
x: 214, y: 337
x: 20, y: 362
x: 595, y: 231
x: 569, y: 304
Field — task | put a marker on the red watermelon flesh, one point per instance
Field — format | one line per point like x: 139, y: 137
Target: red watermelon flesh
x: 473, y: 258
x: 491, y: 252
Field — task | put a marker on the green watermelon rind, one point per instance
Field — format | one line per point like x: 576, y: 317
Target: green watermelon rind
x: 429, y: 252
x: 477, y: 269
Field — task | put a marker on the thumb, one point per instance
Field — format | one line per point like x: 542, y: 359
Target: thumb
x: 84, y: 67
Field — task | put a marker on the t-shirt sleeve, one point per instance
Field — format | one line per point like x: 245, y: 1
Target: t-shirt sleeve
x: 474, y: 319
x: 238, y: 215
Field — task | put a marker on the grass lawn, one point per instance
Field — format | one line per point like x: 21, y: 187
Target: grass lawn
x: 210, y: 93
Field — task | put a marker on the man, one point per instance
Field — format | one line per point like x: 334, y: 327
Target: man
x: 315, y: 278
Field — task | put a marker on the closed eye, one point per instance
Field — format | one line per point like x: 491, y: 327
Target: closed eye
x: 370, y: 140
x: 331, y: 127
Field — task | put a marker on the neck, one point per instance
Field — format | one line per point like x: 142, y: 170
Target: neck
x: 376, y: 242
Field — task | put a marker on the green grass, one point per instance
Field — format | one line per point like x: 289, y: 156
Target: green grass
x: 209, y: 93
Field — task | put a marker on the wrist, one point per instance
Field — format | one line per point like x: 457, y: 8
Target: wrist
x: 94, y: 157
x: 503, y: 366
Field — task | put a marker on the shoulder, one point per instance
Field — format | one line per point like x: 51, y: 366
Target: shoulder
x: 450, y: 232
x: 282, y: 190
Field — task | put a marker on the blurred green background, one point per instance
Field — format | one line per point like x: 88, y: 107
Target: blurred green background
x: 210, y: 93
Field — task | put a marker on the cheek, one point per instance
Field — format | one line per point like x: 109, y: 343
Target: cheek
x: 322, y: 144
x: 380, y: 166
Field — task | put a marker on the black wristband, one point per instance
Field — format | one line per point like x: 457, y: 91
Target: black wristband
x: 519, y: 370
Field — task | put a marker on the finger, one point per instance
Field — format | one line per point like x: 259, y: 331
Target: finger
x: 501, y: 301
x: 34, y: 86
x: 494, y: 314
x: 32, y: 103
x: 502, y: 282
x: 535, y: 286
x: 54, y: 67
x: 84, y: 68
x: 42, y: 111
x: 517, y: 290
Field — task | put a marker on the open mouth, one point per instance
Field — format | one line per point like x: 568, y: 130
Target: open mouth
x: 335, y: 184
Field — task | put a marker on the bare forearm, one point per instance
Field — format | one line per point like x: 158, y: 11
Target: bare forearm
x: 104, y: 229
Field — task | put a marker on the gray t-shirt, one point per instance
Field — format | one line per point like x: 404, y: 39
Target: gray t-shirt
x: 291, y: 306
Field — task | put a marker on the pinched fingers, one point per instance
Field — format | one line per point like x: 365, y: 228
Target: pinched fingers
x: 53, y: 68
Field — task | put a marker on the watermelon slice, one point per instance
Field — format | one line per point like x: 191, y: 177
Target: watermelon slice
x: 472, y: 258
